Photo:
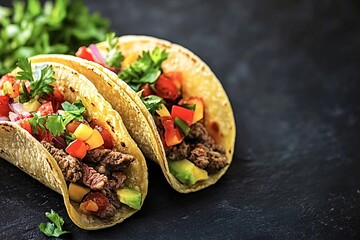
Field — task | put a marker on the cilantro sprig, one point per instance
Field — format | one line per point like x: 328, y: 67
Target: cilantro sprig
x: 146, y: 69
x: 152, y: 103
x: 56, y: 123
x: 38, y: 27
x: 40, y: 79
x: 53, y: 228
x: 114, y: 56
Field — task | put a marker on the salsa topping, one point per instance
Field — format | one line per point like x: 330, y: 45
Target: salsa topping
x: 179, y: 119
x: 82, y: 149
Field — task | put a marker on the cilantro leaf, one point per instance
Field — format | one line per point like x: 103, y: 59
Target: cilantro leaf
x: 114, y: 56
x: 36, y: 122
x: 73, y: 111
x: 40, y: 80
x: 53, y: 229
x: 152, y: 103
x: 55, y: 124
x: 146, y: 69
x: 58, y: 26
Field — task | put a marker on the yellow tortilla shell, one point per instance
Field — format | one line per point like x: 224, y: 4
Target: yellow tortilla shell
x: 22, y: 150
x: 198, y: 80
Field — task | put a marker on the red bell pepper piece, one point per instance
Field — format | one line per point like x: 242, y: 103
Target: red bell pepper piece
x: 4, y: 106
x: 172, y: 135
x: 183, y: 113
x: 77, y: 149
x: 165, y: 88
x: 82, y: 52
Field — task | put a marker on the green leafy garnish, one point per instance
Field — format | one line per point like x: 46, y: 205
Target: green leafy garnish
x: 73, y: 111
x: 56, y: 123
x: 58, y: 26
x: 152, y: 103
x: 36, y: 122
x: 40, y: 80
x: 114, y: 56
x: 146, y: 69
x: 53, y: 228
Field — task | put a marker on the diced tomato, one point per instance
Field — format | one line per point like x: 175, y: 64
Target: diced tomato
x: 175, y: 77
x: 25, y: 124
x: 101, y: 201
x: 165, y: 88
x: 82, y: 52
x: 77, y: 149
x: 183, y: 113
x: 4, y: 106
x: 72, y: 126
x: 172, y: 134
x: 46, y: 109
x: 106, y: 135
x: 146, y: 90
x: 6, y: 78
x: 56, y: 99
x: 44, y: 136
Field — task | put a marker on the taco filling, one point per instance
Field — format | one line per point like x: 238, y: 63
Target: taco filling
x: 191, y: 152
x: 95, y: 174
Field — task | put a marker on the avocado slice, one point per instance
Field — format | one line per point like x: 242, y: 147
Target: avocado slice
x: 187, y: 172
x: 130, y: 197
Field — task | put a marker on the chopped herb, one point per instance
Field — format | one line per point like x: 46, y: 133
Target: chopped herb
x: 69, y: 137
x: 189, y: 106
x: 181, y: 124
x: 53, y: 228
x: 146, y: 69
x: 37, y: 122
x: 73, y: 111
x: 114, y: 56
x: 58, y: 26
x: 55, y: 124
x: 40, y: 80
x: 152, y: 103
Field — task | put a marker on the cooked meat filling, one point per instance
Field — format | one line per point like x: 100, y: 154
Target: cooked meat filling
x: 101, y: 170
x: 199, y: 147
x: 70, y: 166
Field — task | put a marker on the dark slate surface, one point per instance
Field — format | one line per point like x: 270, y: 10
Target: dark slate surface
x: 291, y: 70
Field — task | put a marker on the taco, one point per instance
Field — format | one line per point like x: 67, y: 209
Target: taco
x: 56, y: 127
x: 172, y: 104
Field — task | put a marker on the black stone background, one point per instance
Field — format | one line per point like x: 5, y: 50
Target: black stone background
x: 291, y: 71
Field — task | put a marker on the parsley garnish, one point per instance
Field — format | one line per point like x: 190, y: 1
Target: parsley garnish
x: 152, y: 103
x: 114, y: 56
x: 40, y: 80
x: 146, y: 69
x: 53, y: 228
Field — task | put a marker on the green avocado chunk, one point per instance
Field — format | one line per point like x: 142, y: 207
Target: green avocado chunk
x: 187, y: 172
x: 130, y: 197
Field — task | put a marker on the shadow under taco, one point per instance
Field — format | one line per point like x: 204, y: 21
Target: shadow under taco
x: 172, y: 104
x: 56, y: 127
